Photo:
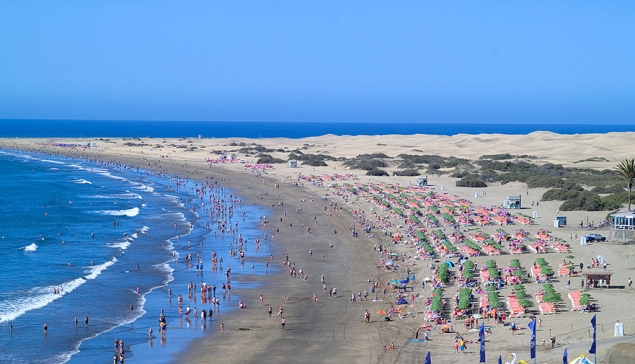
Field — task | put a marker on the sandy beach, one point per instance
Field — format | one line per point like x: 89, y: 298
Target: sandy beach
x: 333, y: 329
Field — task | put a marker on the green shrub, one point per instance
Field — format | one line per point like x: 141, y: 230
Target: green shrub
x: 471, y: 182
x: 609, y: 189
x: 615, y: 201
x: 365, y: 164
x: 584, y: 201
x: 562, y: 194
x: 266, y: 158
x: 376, y: 172
x: 315, y: 160
x: 407, y: 172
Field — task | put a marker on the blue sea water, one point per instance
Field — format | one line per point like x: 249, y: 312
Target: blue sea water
x: 51, y: 208
x: 175, y: 129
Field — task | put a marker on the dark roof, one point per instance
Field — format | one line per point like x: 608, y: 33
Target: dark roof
x: 597, y: 274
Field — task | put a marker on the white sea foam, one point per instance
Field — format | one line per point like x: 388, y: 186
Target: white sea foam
x: 82, y: 181
x: 50, y: 161
x: 106, y: 173
x: 38, y: 297
x: 145, y: 188
x: 54, y: 169
x: 12, y: 308
x: 126, y: 195
x: 165, y: 267
x: 30, y: 248
x: 130, y: 212
x: 96, y: 270
x: 173, y: 216
x: 123, y: 245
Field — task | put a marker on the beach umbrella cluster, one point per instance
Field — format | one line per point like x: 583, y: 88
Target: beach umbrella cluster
x: 550, y: 294
x: 437, y: 300
x: 544, y: 267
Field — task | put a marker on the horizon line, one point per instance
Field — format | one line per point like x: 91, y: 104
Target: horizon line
x: 318, y: 122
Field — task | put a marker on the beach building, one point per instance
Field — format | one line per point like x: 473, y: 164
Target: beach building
x: 622, y: 226
x: 293, y: 163
x: 598, y: 279
x: 512, y: 202
x: 560, y: 221
x: 422, y: 181
x: 623, y: 220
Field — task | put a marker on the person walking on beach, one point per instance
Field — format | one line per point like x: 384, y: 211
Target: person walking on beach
x: 367, y: 317
x: 222, y: 328
x: 283, y: 322
x: 270, y: 311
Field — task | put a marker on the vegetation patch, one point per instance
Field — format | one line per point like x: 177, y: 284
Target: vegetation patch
x: 376, y: 172
x: 315, y: 160
x: 592, y: 159
x: 268, y: 159
x: 407, y: 172
x: 505, y: 156
x: 368, y: 162
x: 471, y: 181
x: 411, y: 161
x: 577, y: 198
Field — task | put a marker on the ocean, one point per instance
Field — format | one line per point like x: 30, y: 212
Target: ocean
x: 176, y: 129
x: 55, y: 270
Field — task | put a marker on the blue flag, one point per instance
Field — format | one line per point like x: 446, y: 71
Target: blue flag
x: 592, y: 350
x: 565, y: 359
x: 428, y: 360
x: 532, y: 342
x: 500, y: 360
x: 481, y: 337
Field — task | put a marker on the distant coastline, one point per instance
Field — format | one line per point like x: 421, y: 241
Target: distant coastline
x: 34, y: 128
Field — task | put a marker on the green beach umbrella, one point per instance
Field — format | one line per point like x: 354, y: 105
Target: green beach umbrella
x: 524, y: 303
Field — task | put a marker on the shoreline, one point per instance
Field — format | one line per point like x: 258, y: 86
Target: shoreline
x: 315, y: 320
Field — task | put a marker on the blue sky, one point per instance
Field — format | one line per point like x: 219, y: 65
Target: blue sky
x: 379, y: 61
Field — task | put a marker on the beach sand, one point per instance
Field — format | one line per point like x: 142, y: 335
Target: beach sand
x: 333, y: 330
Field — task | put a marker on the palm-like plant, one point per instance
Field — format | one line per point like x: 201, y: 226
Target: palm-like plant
x: 626, y: 170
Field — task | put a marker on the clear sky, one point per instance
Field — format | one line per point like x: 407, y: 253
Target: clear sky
x: 406, y: 61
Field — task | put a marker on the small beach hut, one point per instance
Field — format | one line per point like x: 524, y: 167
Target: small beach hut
x: 560, y: 221
x: 512, y: 202
x: 422, y: 181
x: 293, y: 163
x: 594, y: 278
